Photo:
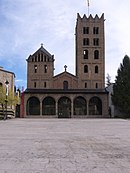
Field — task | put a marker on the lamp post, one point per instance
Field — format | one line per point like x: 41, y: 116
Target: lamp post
x: 6, y: 84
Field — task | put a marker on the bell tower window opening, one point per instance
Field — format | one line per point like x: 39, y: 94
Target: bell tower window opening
x: 96, y: 30
x: 39, y: 57
x: 85, y: 30
x: 85, y: 52
x: 96, y: 69
x: 86, y: 41
x: 96, y: 85
x: 35, y: 68
x: 85, y: 69
x: 35, y: 58
x: 96, y: 41
x: 45, y: 68
x: 96, y: 54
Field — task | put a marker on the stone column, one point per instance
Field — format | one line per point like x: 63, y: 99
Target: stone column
x: 40, y: 108
x: 72, y: 109
x: 56, y: 109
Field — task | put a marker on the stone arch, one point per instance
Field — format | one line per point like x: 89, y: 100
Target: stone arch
x: 33, y: 106
x: 80, y: 106
x: 64, y: 107
x: 48, y: 106
x: 95, y: 106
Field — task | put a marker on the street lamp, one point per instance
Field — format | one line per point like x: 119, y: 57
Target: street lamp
x: 6, y: 84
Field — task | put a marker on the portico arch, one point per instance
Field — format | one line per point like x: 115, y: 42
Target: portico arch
x: 64, y: 107
x: 95, y: 106
x: 33, y: 106
x: 80, y: 107
x: 48, y: 106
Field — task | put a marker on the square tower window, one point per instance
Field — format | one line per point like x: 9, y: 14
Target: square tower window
x: 86, y: 41
x: 96, y: 30
x: 85, y: 30
x: 96, y: 41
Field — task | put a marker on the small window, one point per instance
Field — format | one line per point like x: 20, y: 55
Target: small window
x: 96, y: 41
x: 65, y: 85
x: 85, y: 30
x: 85, y: 69
x: 96, y: 85
x: 85, y: 84
x: 45, y: 68
x: 35, y: 68
x: 1, y: 84
x: 42, y: 57
x: 85, y: 54
x: 39, y: 57
x: 96, y: 54
x: 86, y: 41
x: 44, y: 84
x: 96, y: 69
x: 35, y: 84
x: 45, y: 58
x: 35, y: 58
x: 95, y: 30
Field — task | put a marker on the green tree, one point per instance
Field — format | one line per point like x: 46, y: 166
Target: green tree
x: 108, y: 80
x: 121, y: 88
x: 12, y: 99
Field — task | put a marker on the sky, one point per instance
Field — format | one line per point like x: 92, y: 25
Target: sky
x: 25, y: 24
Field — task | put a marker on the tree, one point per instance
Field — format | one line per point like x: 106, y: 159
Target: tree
x: 121, y: 88
x: 108, y: 82
x: 11, y: 99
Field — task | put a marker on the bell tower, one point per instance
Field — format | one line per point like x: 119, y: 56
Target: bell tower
x: 90, y: 52
x: 40, y: 69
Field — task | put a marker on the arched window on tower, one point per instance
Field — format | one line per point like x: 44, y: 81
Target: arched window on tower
x: 96, y: 69
x: 85, y: 52
x: 85, y: 69
x: 96, y: 54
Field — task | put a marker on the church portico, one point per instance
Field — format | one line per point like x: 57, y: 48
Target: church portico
x: 76, y: 105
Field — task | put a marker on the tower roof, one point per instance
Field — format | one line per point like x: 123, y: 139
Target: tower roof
x: 42, y: 49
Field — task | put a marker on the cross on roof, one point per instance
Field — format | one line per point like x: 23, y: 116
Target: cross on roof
x: 65, y: 67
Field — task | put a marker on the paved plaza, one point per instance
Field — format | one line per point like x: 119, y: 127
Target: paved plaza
x: 65, y: 146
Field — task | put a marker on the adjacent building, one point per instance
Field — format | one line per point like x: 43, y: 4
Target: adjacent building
x: 7, y: 79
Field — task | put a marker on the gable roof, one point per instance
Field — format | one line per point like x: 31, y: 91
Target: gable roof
x: 65, y: 73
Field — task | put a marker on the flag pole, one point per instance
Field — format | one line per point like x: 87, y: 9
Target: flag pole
x: 88, y: 6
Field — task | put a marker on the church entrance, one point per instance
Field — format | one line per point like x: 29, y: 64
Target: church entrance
x: 64, y: 107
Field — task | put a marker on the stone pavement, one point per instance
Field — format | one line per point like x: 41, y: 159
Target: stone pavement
x: 65, y: 146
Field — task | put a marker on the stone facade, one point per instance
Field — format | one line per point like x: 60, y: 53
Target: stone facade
x: 68, y: 95
x: 10, y: 77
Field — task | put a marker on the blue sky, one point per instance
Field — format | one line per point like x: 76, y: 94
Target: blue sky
x: 25, y: 24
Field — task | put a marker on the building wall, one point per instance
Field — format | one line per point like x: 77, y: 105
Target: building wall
x: 9, y: 76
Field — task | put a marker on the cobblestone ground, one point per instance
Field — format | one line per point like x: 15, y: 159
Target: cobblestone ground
x: 65, y: 146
